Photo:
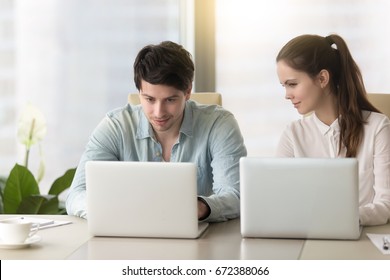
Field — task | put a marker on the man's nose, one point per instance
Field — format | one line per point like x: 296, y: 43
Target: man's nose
x: 159, y: 109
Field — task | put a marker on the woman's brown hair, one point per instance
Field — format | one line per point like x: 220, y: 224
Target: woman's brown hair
x: 313, y: 53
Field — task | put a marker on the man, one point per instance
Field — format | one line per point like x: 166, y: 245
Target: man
x: 167, y: 126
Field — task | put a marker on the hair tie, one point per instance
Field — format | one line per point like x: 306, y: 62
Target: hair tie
x: 331, y: 43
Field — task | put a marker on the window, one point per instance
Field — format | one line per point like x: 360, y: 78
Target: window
x: 249, y: 34
x: 72, y: 59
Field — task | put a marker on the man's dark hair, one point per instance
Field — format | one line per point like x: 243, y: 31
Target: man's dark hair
x: 166, y: 64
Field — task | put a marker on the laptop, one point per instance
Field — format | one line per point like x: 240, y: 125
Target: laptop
x: 305, y: 198
x: 142, y: 199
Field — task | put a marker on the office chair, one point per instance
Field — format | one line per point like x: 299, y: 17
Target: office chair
x: 209, y: 98
x: 381, y: 101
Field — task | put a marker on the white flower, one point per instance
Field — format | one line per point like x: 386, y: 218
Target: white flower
x: 32, y: 126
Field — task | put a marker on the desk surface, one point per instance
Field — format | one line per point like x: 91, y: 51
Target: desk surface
x: 220, y: 241
x: 362, y: 249
x: 57, y: 242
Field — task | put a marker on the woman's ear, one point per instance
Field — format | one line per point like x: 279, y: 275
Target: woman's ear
x: 323, y: 78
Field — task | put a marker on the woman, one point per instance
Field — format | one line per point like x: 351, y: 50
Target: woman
x: 324, y: 83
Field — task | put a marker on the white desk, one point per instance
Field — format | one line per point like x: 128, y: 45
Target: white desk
x: 57, y: 243
x: 362, y: 249
x: 221, y: 241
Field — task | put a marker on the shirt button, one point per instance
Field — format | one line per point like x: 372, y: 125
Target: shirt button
x: 158, y: 154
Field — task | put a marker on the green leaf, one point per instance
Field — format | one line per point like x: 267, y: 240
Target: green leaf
x: 50, y: 206
x: 62, y: 208
x: 39, y: 204
x: 62, y: 211
x: 20, y: 184
x: 31, y: 204
x: 3, y: 180
x: 63, y: 182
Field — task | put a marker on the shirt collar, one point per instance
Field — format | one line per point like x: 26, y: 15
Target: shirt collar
x: 324, y: 128
x: 145, y: 130
x: 186, y: 126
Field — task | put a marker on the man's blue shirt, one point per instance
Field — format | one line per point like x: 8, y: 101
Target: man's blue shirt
x: 209, y: 136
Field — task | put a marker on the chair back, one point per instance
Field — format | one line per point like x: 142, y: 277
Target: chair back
x: 208, y: 98
x: 381, y: 101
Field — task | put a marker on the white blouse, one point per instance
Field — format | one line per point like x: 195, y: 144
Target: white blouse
x: 309, y: 137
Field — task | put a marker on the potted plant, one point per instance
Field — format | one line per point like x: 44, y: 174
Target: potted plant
x: 20, y: 193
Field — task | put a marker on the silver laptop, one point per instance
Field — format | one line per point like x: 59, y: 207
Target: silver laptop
x: 304, y: 198
x: 142, y: 199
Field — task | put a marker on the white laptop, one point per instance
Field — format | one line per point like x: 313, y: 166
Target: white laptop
x: 307, y: 198
x: 142, y: 199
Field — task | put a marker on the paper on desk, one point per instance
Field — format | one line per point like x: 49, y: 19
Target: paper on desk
x: 377, y: 240
x: 55, y: 224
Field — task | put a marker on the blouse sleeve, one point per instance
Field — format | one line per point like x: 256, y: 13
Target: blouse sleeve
x: 378, y: 211
x: 285, y: 146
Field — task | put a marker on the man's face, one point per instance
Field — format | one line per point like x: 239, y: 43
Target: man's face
x: 163, y: 106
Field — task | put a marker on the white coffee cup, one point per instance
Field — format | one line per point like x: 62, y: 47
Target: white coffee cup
x: 16, y: 231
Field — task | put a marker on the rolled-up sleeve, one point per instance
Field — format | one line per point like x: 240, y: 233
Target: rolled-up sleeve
x: 102, y: 145
x: 226, y: 149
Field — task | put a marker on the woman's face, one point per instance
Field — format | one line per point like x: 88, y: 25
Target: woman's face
x: 305, y: 92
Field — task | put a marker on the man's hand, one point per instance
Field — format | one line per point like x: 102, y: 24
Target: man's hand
x: 203, y: 210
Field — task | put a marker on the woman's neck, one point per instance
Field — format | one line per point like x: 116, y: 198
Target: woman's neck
x: 328, y: 112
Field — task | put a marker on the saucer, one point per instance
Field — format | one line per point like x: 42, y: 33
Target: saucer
x: 28, y: 242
